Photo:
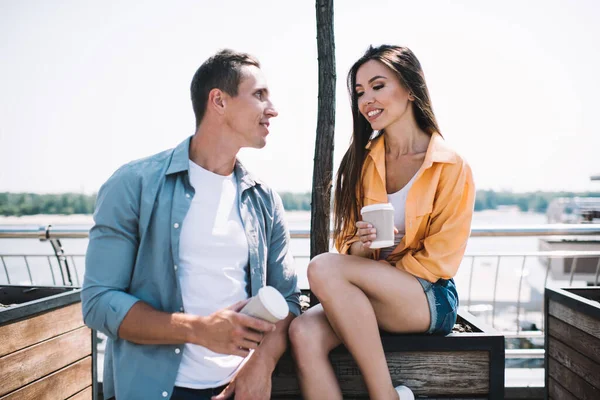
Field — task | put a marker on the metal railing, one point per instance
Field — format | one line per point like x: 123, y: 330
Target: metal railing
x: 67, y: 267
x: 82, y: 231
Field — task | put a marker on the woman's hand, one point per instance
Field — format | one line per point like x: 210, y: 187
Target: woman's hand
x: 366, y: 233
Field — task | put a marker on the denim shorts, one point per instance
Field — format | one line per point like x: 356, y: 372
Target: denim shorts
x: 443, y: 305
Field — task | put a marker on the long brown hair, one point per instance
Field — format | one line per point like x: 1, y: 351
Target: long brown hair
x: 348, y: 190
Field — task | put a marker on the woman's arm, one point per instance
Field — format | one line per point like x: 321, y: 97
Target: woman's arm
x: 359, y: 249
x: 444, y: 246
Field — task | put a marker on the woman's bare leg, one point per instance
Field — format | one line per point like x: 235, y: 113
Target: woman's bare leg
x: 312, y: 340
x: 359, y: 296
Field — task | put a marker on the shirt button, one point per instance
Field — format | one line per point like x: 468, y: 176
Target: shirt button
x: 165, y: 394
x: 187, y: 195
x: 181, y: 309
x: 177, y: 351
x: 175, y: 267
x: 175, y: 225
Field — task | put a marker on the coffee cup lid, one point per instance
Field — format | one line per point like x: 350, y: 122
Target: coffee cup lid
x: 274, y: 301
x: 377, y: 207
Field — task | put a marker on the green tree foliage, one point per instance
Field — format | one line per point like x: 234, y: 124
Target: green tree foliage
x: 530, y: 201
x: 18, y: 204
x: 296, y: 201
x: 73, y: 203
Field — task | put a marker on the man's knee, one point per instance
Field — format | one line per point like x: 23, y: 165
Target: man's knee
x: 303, y: 334
x: 298, y: 333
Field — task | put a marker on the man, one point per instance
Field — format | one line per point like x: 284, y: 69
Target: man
x: 181, y: 240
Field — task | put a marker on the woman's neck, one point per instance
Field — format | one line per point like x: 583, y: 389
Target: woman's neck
x: 405, y: 140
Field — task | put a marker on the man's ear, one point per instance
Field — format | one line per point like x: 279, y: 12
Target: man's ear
x: 217, y: 100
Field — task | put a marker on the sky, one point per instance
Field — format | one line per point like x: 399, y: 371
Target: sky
x: 86, y: 86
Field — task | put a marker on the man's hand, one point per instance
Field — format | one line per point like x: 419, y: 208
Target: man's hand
x: 228, y: 332
x: 252, y: 382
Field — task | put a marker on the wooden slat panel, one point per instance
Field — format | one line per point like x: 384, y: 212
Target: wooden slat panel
x: 575, y: 338
x: 25, y: 366
x: 575, y: 361
x: 574, y: 384
x: 30, y: 331
x: 59, y: 385
x: 85, y: 394
x: 556, y: 391
x: 575, y: 318
x: 459, y: 374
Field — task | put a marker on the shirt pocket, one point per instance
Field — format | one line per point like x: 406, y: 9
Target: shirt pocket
x: 423, y: 220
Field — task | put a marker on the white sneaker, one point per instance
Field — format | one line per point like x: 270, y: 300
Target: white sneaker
x: 405, y: 393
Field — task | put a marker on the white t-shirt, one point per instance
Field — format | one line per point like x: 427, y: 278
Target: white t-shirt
x: 398, y: 200
x: 212, y: 273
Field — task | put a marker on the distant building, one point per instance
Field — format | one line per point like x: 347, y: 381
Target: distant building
x: 574, y: 210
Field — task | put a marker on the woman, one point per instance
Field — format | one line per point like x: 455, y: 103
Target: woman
x: 407, y: 288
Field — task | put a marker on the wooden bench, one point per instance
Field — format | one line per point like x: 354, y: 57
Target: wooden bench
x: 48, y: 348
x: 45, y: 349
x: 460, y: 365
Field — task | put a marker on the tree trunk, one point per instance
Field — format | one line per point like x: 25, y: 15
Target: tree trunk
x: 323, y: 161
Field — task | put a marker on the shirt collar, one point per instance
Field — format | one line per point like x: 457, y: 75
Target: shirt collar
x: 180, y: 161
x: 437, y: 151
x: 245, y: 178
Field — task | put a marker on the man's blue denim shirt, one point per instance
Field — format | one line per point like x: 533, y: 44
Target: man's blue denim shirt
x: 134, y: 250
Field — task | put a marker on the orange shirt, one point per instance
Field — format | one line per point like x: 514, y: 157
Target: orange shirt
x: 439, y: 209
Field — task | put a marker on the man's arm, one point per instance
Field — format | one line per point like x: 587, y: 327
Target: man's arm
x: 110, y: 260
x: 226, y: 331
x: 273, y: 345
x: 253, y: 381
x: 111, y: 253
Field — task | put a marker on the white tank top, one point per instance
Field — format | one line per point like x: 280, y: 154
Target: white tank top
x: 398, y: 200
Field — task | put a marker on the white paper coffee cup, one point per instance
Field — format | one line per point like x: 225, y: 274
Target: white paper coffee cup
x: 381, y: 216
x: 268, y: 304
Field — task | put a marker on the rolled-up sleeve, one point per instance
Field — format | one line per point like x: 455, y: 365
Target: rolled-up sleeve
x: 444, y: 246
x: 111, y: 254
x: 281, y: 273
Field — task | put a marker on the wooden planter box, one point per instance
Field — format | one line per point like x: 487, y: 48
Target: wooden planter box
x: 457, y: 366
x: 46, y: 352
x: 572, y: 342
